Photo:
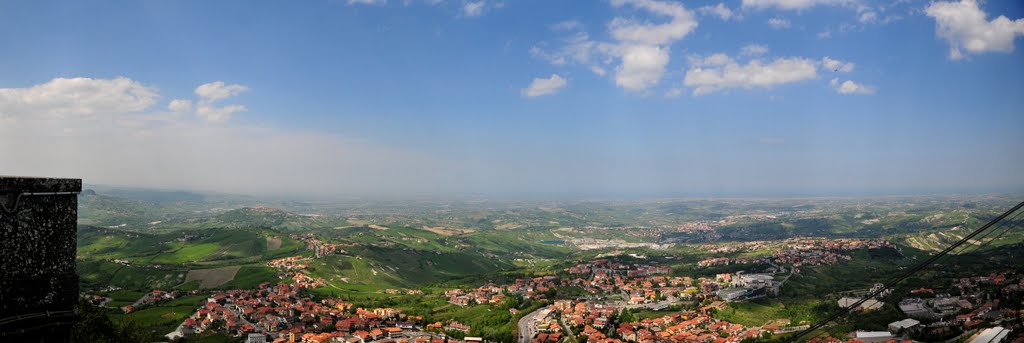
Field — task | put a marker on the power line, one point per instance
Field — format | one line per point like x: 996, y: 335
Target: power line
x: 981, y: 243
x: 908, y: 273
x: 1005, y: 226
x: 1012, y: 224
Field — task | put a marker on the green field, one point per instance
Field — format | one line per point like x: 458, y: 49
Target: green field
x: 165, y: 317
x: 251, y: 277
x: 123, y: 297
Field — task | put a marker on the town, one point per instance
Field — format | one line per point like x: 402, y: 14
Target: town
x: 679, y: 308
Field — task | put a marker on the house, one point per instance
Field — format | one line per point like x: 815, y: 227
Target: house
x: 255, y: 338
x: 393, y: 331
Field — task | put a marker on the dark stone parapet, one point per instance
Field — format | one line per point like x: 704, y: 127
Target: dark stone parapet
x: 13, y: 184
x: 38, y: 232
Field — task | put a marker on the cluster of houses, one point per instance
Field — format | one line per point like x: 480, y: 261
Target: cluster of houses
x: 451, y: 325
x: 533, y: 288
x: 289, y: 263
x: 153, y: 297
x: 797, y: 252
x: 980, y: 304
x: 487, y: 294
x: 980, y: 312
x: 605, y: 267
x: 639, y: 283
x: 279, y: 313
x: 590, y: 319
x: 319, y: 248
x: 293, y: 267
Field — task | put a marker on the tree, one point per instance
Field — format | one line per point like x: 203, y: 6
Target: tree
x: 94, y: 325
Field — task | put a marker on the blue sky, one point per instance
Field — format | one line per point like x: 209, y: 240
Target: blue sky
x: 526, y: 97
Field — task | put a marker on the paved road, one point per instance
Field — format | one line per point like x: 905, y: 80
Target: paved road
x: 528, y: 324
x: 139, y: 302
x: 177, y: 332
x: 566, y: 327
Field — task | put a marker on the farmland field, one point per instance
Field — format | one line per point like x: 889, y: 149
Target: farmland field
x: 210, y: 278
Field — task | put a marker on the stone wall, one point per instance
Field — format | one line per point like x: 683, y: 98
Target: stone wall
x: 38, y: 230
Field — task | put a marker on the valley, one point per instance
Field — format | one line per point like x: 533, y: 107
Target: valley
x: 517, y: 265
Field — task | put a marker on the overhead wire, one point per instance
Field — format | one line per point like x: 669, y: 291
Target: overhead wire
x: 893, y: 282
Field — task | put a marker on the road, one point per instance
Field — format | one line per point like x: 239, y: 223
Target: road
x: 177, y: 332
x: 528, y: 324
x: 567, y: 328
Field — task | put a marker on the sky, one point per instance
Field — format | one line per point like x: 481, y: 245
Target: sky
x: 393, y: 97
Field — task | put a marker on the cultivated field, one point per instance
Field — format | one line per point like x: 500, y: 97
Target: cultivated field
x: 273, y: 243
x: 209, y: 278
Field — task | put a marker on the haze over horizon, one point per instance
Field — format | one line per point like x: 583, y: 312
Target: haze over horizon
x: 531, y: 97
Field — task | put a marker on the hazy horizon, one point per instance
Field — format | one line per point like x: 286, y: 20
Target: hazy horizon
x: 551, y: 196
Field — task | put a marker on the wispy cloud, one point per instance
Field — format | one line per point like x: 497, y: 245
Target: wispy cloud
x: 779, y: 23
x: 544, y: 86
x: 114, y: 131
x: 850, y: 87
x: 473, y: 9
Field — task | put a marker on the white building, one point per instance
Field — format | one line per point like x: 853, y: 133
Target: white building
x: 905, y: 324
x: 873, y: 336
x: 867, y: 305
x: 256, y: 338
x: 992, y: 335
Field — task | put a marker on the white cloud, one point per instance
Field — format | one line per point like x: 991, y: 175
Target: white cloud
x: 965, y: 26
x: 717, y: 73
x: 779, y: 23
x: 850, y: 87
x: 837, y: 65
x: 113, y: 131
x: 642, y: 66
x: 367, y: 2
x: 542, y: 86
x: 640, y: 47
x: 634, y: 32
x: 824, y: 34
x: 180, y: 105
x: 567, y: 25
x: 217, y: 114
x: 577, y: 48
x: 213, y: 92
x: 643, y: 47
x: 473, y: 9
x: 792, y: 4
x: 217, y: 90
x: 720, y: 10
x: 753, y: 50
x: 78, y: 97
x: 868, y: 17
x: 716, y: 60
